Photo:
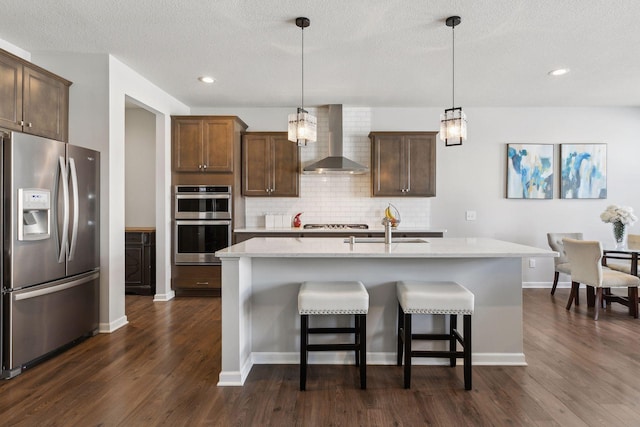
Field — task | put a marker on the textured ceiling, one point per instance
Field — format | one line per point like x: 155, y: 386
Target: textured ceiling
x: 369, y: 53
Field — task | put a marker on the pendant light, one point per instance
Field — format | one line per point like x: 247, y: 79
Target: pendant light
x: 453, y: 123
x: 302, y: 125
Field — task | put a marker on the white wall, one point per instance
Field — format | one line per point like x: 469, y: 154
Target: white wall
x: 473, y: 176
x: 89, y: 127
x: 126, y: 83
x: 96, y: 120
x: 140, y: 168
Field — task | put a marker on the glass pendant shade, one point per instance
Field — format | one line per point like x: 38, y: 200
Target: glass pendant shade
x: 302, y: 127
x: 453, y: 126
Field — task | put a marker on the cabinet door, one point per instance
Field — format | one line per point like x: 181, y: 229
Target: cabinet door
x: 217, y: 146
x: 255, y: 165
x: 45, y: 105
x: 284, y: 167
x: 10, y: 93
x: 389, y: 174
x: 134, y: 259
x: 187, y: 145
x: 421, y: 169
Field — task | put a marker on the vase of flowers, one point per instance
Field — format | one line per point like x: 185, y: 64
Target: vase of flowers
x: 621, y: 217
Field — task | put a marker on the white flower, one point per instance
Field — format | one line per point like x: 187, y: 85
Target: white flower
x: 615, y: 213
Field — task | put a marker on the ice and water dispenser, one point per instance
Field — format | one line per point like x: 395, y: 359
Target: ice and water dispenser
x: 34, y: 210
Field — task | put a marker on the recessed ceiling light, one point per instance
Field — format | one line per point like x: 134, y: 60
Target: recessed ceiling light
x: 206, y: 79
x: 559, y: 72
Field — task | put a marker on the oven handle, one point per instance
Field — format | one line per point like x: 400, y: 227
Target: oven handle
x: 202, y: 222
x: 203, y: 196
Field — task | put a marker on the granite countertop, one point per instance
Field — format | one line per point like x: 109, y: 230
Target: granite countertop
x: 312, y: 247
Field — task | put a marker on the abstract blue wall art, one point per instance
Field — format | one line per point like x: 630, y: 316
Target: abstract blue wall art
x: 583, y: 171
x: 529, y: 171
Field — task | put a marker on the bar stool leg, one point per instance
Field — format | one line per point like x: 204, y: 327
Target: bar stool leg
x: 357, y: 338
x: 407, y: 350
x: 453, y: 325
x: 400, y: 335
x: 467, y: 351
x: 304, y: 341
x: 362, y: 345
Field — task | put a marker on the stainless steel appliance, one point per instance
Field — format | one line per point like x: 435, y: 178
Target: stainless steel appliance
x: 337, y: 226
x: 51, y: 255
x: 203, y: 202
x: 202, y: 223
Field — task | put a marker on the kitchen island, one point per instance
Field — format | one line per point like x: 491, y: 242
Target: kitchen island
x: 261, y: 278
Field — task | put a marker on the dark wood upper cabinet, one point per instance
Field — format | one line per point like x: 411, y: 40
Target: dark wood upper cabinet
x: 203, y: 143
x: 270, y: 165
x: 403, y: 164
x: 10, y: 93
x: 33, y: 100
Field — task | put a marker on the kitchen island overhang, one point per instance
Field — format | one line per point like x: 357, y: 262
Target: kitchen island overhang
x: 261, y: 278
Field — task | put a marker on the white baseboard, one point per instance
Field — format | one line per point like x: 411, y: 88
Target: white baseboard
x: 107, y: 328
x: 235, y: 378
x: 543, y: 285
x: 381, y: 358
x: 164, y: 297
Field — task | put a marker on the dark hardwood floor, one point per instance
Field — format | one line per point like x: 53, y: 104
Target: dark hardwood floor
x: 162, y: 369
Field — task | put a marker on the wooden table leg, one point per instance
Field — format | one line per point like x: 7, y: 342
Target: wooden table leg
x: 591, y: 296
x: 633, y: 302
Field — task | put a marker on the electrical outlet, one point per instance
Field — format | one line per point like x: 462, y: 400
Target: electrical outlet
x: 532, y: 263
x: 471, y: 215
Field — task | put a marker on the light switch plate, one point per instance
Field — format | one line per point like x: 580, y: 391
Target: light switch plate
x: 471, y: 215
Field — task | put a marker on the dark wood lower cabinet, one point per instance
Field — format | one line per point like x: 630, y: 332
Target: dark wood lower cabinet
x: 140, y: 261
x: 197, y: 280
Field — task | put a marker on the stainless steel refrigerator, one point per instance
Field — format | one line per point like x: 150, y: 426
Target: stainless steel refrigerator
x: 51, y: 248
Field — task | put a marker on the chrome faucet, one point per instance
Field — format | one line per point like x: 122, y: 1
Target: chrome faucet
x: 387, y: 230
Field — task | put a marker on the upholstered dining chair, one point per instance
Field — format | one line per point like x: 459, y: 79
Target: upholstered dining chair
x: 633, y: 240
x: 585, y: 257
x: 561, y: 264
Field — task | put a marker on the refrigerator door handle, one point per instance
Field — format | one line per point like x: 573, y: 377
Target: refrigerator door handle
x: 76, y: 203
x: 65, y: 212
x: 57, y: 288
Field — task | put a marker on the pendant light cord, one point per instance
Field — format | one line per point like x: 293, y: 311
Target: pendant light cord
x: 302, y: 67
x: 453, y: 67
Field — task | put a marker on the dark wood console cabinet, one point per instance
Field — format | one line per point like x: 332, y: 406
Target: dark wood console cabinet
x: 140, y: 261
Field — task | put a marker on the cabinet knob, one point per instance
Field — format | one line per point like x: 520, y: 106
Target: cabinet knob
x: 199, y: 166
x: 29, y: 124
x: 21, y: 122
x: 204, y: 166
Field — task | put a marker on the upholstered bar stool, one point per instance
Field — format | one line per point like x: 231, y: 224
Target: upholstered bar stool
x: 332, y: 298
x: 416, y: 297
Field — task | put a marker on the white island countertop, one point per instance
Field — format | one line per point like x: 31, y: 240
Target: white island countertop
x: 261, y: 278
x: 309, y: 247
x: 354, y: 231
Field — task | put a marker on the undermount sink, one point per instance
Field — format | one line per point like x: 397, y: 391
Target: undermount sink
x: 381, y: 240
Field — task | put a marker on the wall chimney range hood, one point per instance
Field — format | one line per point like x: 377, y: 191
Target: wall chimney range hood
x: 336, y: 163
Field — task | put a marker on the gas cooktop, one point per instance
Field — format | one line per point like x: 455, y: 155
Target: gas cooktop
x: 337, y: 226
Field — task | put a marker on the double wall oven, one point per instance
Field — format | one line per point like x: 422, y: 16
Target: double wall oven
x: 202, y: 217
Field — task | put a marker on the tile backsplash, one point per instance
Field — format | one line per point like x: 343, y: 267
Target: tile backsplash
x: 339, y: 198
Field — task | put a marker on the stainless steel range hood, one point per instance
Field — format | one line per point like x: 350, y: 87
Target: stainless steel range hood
x: 336, y: 163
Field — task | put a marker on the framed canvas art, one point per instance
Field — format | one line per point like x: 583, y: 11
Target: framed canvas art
x: 583, y: 171
x: 530, y: 171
